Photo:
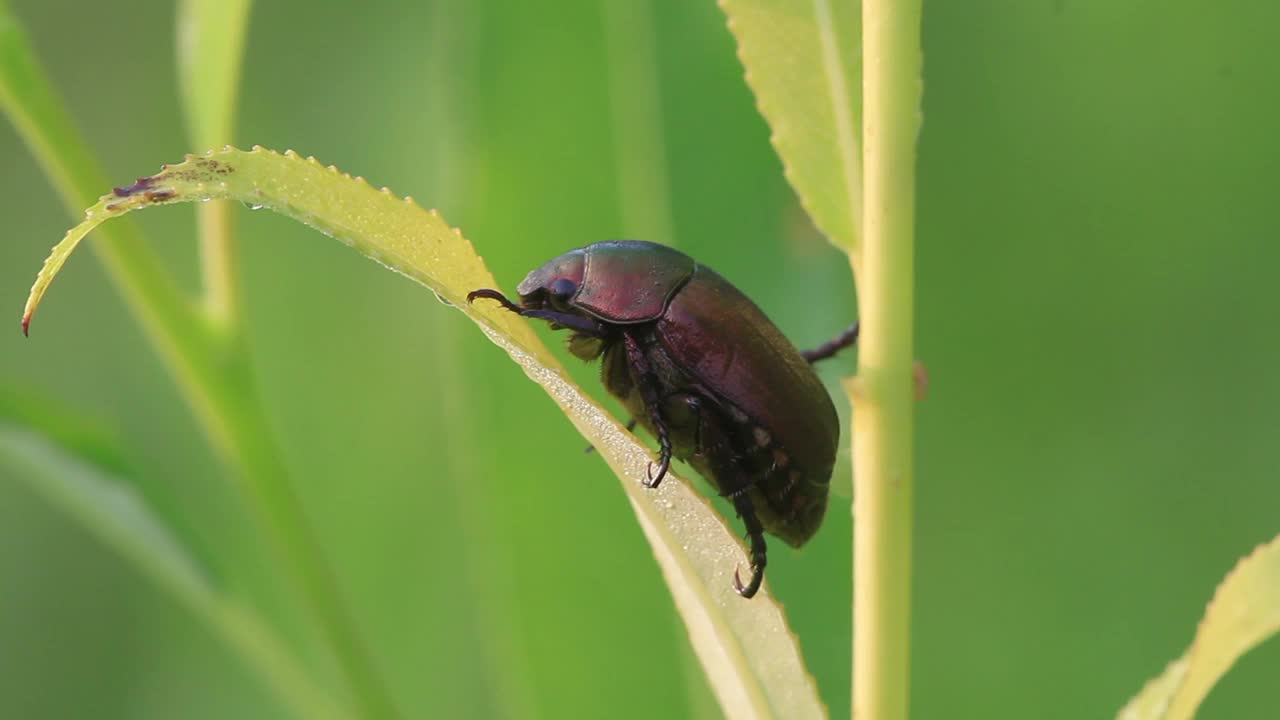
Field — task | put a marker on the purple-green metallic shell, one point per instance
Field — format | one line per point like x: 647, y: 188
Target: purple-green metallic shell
x: 724, y: 348
x: 570, y: 265
x: 722, y: 338
x: 622, y: 282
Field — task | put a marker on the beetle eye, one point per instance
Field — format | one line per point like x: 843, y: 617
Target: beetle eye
x: 561, y: 290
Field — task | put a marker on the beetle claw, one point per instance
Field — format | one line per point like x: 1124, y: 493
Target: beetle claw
x: 750, y: 589
x: 755, y: 533
x: 653, y: 481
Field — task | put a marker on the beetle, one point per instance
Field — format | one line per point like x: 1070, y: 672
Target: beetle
x: 706, y: 372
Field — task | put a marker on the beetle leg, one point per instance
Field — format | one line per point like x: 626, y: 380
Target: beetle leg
x: 631, y: 427
x: 585, y: 325
x: 833, y: 346
x: 647, y: 385
x: 755, y: 533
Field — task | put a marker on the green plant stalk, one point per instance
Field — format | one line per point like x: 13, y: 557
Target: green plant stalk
x: 216, y: 384
x: 215, y: 230
x: 882, y: 395
x: 210, y: 49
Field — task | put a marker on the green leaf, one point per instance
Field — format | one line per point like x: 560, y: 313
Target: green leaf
x: 109, y: 508
x: 1244, y: 612
x: 30, y: 102
x: 803, y: 62
x: 80, y: 436
x: 745, y: 646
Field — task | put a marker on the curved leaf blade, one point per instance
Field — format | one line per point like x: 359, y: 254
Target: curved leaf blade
x: 1244, y: 612
x: 746, y: 647
x: 803, y: 63
x: 110, y: 509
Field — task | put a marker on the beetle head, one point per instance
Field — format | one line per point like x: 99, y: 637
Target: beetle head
x: 554, y: 285
x: 593, y: 289
x: 618, y: 282
x: 547, y: 294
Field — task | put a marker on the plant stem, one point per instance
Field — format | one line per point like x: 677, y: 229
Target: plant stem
x: 211, y: 37
x: 218, y: 266
x: 882, y: 394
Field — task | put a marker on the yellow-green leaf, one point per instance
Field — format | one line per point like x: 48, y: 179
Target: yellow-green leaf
x: 1244, y: 612
x: 803, y: 61
x: 745, y: 646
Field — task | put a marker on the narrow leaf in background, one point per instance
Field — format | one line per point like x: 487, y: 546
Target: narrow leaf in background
x: 111, y: 509
x: 1244, y: 612
x: 803, y: 61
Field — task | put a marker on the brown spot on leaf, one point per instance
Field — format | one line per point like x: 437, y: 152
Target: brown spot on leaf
x: 141, y: 185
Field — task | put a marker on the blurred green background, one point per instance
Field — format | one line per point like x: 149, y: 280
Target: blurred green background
x: 1097, y: 244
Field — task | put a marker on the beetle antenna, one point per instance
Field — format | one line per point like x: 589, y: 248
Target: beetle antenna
x: 493, y: 295
x: 573, y: 322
